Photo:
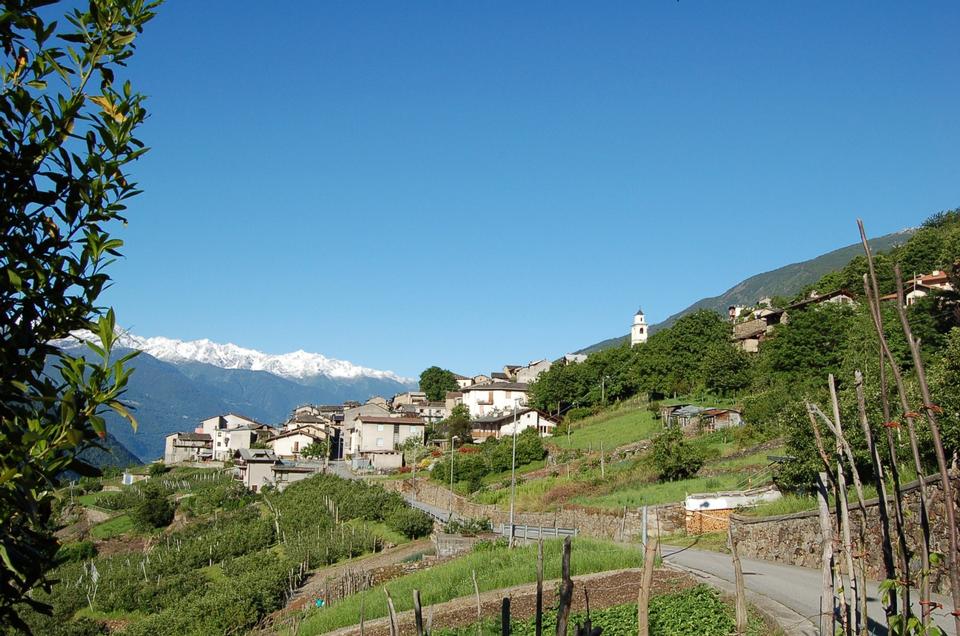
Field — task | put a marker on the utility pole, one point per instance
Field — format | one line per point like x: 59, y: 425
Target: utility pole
x: 453, y: 439
x: 513, y: 471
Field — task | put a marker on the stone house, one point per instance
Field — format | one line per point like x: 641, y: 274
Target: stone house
x: 256, y: 468
x: 187, y: 447
x: 529, y: 373
x: 231, y: 432
x: 378, y: 438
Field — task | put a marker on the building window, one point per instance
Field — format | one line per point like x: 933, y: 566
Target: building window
x: 296, y: 447
x: 379, y: 442
x: 379, y: 428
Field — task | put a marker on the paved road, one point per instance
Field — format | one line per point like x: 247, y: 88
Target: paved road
x: 794, y: 587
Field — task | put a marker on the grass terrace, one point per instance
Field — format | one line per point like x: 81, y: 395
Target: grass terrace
x: 496, y: 567
x: 613, y: 428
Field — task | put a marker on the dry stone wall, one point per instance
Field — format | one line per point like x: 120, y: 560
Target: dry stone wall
x: 624, y: 525
x: 795, y: 538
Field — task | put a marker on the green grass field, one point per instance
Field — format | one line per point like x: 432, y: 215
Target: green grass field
x: 112, y: 527
x: 648, y: 494
x: 616, y: 428
x: 495, y: 568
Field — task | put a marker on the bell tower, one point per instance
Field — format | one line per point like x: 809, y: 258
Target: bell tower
x: 638, y: 332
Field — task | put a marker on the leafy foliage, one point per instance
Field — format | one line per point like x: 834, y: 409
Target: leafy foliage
x: 674, y: 458
x: 436, y: 382
x: 154, y: 509
x: 457, y: 424
x: 68, y: 135
x: 472, y: 463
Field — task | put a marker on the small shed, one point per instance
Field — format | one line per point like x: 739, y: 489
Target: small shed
x: 710, y: 512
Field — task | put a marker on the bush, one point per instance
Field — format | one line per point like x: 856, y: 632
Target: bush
x: 468, y: 527
x: 410, y: 522
x: 153, y: 511
x: 674, y: 458
x: 81, y: 551
x: 156, y: 469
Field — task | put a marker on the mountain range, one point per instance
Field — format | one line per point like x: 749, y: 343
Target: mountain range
x: 788, y: 280
x: 175, y: 384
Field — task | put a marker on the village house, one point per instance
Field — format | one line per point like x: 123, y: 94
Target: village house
x: 501, y: 376
x: 480, y: 379
x: 257, y: 468
x: 349, y: 437
x: 757, y: 325
x: 921, y: 286
x: 290, y: 443
x: 572, y: 358
x: 501, y: 425
x: 494, y: 398
x: 530, y: 372
x: 408, y: 397
x: 379, y: 438
x: 430, y: 412
x: 231, y: 432
x: 462, y: 380
x: 693, y: 419
x: 453, y: 398
x: 187, y: 447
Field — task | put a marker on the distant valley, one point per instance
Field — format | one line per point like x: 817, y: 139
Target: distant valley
x: 175, y: 393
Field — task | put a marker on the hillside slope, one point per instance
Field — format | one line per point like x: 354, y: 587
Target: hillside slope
x: 784, y: 281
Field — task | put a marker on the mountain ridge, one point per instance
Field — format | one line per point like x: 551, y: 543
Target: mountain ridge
x: 787, y: 280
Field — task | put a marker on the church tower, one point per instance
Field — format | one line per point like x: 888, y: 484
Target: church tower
x: 638, y: 332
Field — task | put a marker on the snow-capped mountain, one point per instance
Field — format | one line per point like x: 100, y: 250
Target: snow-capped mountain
x: 298, y: 365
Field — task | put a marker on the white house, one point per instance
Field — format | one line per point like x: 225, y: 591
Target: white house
x: 431, y: 412
x: 349, y: 435
x: 290, y: 443
x: 231, y: 432
x: 529, y: 418
x: 462, y: 380
x: 494, y: 398
x: 379, y: 438
x: 408, y: 397
x: 501, y: 425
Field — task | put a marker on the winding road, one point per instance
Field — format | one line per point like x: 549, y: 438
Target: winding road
x: 790, y: 593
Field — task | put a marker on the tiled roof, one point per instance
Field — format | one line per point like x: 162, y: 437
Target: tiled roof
x: 497, y: 386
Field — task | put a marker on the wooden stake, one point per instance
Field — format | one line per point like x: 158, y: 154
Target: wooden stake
x: 826, y: 558
x: 505, y: 616
x: 476, y: 591
x: 538, y: 625
x: 393, y: 613
x: 417, y: 612
x: 566, y: 591
x: 646, y: 582
x: 361, y: 616
x: 931, y: 411
x: 738, y: 577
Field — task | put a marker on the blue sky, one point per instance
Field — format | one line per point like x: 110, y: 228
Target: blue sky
x: 473, y: 184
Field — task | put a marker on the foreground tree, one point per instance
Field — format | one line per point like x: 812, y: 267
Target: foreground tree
x: 67, y: 130
x: 435, y: 382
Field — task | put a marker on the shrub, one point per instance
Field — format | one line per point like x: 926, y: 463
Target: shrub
x: 468, y: 527
x: 410, y: 522
x: 156, y: 469
x: 153, y: 511
x: 80, y: 551
x: 674, y: 458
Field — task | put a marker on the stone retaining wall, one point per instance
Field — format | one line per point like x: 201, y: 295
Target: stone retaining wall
x: 795, y: 538
x: 624, y: 525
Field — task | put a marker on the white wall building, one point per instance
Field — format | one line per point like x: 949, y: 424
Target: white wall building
x: 380, y: 438
x: 230, y: 433
x: 639, y: 329
x: 494, y: 397
x: 290, y: 444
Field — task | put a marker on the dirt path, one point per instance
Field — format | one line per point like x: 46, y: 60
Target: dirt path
x: 606, y: 589
x: 313, y: 588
